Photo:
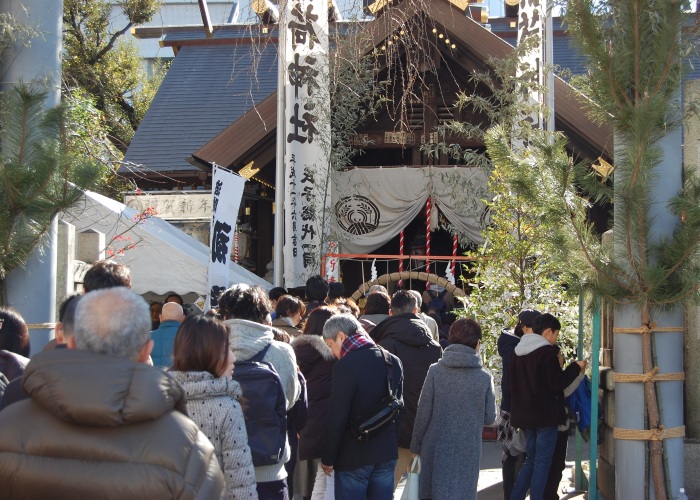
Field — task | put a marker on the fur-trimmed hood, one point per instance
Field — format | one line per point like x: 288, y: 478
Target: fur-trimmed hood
x: 311, y: 349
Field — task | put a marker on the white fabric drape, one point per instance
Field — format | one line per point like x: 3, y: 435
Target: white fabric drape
x: 372, y: 205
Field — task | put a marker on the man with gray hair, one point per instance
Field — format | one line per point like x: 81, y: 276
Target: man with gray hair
x: 102, y: 423
x: 432, y: 324
x: 406, y: 335
x: 363, y: 469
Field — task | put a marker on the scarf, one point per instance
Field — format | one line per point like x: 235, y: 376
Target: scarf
x: 355, y: 341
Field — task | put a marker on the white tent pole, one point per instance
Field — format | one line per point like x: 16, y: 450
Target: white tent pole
x: 278, y: 271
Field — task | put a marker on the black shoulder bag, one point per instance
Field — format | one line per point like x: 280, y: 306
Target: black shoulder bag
x: 383, y: 413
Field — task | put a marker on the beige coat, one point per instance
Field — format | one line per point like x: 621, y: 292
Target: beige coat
x: 103, y: 427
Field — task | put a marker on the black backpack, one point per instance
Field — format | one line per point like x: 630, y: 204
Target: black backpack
x: 264, y: 408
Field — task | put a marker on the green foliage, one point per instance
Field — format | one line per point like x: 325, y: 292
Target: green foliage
x: 105, y: 66
x: 635, y: 86
x: 637, y: 53
x: 40, y: 175
x: 518, y: 267
x: 87, y: 138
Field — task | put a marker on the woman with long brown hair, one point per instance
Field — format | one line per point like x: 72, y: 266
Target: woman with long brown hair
x: 203, y: 364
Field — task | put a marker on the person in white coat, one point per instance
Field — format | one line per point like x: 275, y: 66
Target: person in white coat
x: 246, y: 311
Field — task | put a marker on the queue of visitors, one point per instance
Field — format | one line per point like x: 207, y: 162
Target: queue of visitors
x: 137, y: 401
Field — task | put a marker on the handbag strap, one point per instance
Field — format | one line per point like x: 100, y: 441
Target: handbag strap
x: 389, y: 371
x: 415, y: 464
x: 261, y: 355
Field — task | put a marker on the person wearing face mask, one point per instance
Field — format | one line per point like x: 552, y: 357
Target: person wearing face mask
x: 457, y: 400
x: 203, y: 365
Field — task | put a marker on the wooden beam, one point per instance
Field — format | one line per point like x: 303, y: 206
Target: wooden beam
x: 204, y: 10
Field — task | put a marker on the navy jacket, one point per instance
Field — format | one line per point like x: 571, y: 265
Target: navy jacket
x: 356, y: 390
x: 506, y: 348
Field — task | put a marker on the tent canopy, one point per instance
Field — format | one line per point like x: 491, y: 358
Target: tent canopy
x: 162, y: 258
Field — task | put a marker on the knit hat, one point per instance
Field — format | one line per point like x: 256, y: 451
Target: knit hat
x: 527, y: 316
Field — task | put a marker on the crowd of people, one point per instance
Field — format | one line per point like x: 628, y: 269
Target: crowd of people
x: 269, y: 396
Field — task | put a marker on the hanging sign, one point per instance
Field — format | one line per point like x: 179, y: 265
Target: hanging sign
x: 226, y: 199
x: 307, y: 139
x: 332, y: 271
x: 531, y: 23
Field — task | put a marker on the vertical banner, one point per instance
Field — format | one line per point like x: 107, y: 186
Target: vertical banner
x: 227, y: 191
x: 307, y: 139
x: 531, y: 23
x: 332, y: 270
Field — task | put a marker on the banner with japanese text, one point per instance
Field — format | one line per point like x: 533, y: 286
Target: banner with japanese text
x: 531, y: 26
x: 227, y: 192
x: 307, y: 139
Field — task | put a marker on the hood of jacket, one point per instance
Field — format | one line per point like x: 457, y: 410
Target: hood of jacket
x: 203, y: 385
x: 310, y: 349
x: 460, y: 356
x: 12, y: 364
x: 507, y: 341
x: 247, y: 337
x: 408, y: 329
x: 374, y: 318
x: 530, y: 342
x: 91, y: 389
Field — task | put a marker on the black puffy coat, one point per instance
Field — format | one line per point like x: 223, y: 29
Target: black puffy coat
x: 315, y: 362
x: 407, y: 336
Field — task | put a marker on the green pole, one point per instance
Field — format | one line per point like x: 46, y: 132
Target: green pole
x: 595, y: 383
x: 580, y: 483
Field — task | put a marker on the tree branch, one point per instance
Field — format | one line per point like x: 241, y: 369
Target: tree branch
x: 110, y: 44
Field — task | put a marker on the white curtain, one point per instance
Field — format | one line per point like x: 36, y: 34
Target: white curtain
x: 372, y: 205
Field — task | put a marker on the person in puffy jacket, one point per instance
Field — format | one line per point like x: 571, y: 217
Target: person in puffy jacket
x: 203, y: 365
x: 100, y: 422
x: 246, y: 313
x: 405, y: 335
x: 316, y: 362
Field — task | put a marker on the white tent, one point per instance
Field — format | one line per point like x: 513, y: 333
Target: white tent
x: 161, y: 257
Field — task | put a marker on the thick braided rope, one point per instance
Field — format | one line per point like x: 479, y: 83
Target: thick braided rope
x: 41, y: 326
x: 650, y: 376
x: 652, y: 328
x: 428, y: 205
x: 649, y: 434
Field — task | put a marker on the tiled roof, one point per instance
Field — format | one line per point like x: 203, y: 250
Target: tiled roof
x: 205, y: 90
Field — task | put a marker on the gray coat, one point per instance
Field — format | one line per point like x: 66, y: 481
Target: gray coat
x: 456, y: 402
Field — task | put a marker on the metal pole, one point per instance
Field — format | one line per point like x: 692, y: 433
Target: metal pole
x: 579, y: 478
x: 32, y: 287
x: 278, y: 270
x: 595, y: 382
